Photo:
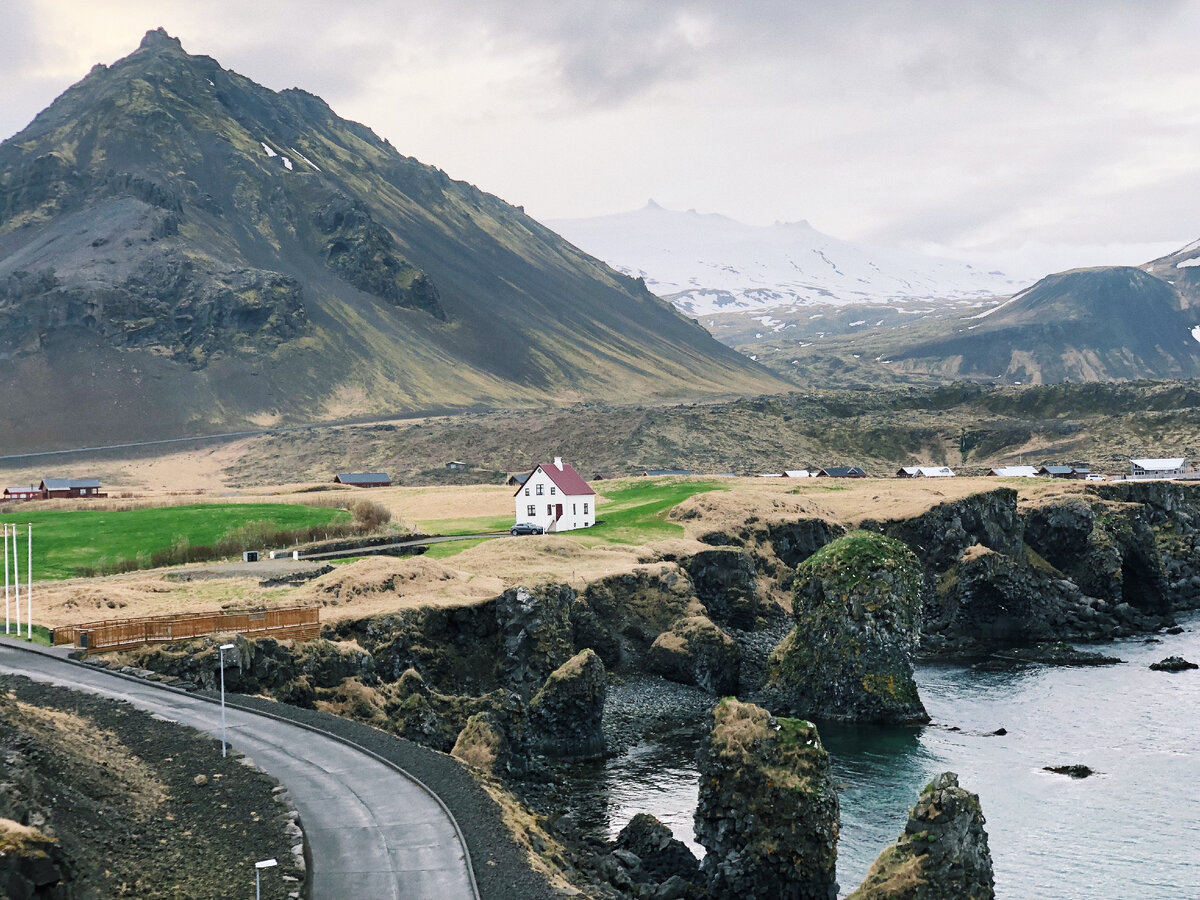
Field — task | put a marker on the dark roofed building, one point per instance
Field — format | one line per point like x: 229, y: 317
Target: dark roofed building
x: 841, y: 472
x: 654, y: 473
x: 363, y: 479
x: 55, y: 488
x: 1056, y: 471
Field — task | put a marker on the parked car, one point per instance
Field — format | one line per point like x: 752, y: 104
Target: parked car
x: 1094, y: 476
x: 526, y: 528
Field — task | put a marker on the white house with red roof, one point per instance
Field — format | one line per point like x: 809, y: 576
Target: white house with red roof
x: 556, y: 497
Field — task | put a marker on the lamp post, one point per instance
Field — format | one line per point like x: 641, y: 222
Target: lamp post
x: 221, y: 651
x: 258, y: 867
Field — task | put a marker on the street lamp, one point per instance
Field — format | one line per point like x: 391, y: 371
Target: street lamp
x: 222, y: 650
x: 258, y: 867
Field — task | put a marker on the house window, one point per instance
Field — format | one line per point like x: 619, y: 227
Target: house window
x: 531, y: 510
x: 572, y: 509
x: 526, y: 492
x: 585, y: 506
x: 541, y: 489
x: 549, y: 510
x: 553, y: 490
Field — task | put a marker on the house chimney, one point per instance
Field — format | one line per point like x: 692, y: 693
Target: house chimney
x: 558, y: 462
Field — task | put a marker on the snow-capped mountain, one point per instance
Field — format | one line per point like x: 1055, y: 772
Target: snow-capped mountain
x: 707, y: 263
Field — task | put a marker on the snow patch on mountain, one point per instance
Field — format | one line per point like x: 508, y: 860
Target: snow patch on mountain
x: 707, y: 263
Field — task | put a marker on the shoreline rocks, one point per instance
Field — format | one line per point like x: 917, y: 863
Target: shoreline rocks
x: 1173, y: 664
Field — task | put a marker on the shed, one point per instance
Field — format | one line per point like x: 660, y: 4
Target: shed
x: 517, y: 478
x: 363, y: 479
x: 26, y: 492
x: 457, y: 465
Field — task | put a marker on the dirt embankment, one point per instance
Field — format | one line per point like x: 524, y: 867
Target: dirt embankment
x: 138, y: 807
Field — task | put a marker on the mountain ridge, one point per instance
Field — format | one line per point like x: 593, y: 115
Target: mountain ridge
x: 177, y: 238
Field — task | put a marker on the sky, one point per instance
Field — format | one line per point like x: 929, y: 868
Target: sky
x: 1023, y: 134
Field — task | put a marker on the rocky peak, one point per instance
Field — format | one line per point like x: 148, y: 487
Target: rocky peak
x: 158, y: 41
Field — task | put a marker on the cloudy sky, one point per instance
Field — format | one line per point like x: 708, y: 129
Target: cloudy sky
x: 1024, y: 133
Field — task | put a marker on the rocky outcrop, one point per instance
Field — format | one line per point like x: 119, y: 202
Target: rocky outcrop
x: 483, y: 744
x: 1173, y: 664
x: 795, y: 542
x: 621, y: 616
x: 857, y: 609
x: 942, y: 853
x: 32, y: 865
x: 566, y: 715
x: 768, y: 810
x: 535, y: 634
x: 1106, y: 548
x: 660, y: 856
x: 726, y: 583
x: 940, y: 536
x: 695, y: 651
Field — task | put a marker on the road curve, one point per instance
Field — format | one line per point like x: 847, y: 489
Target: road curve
x: 373, y: 831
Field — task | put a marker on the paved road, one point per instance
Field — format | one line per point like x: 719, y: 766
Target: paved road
x: 374, y: 833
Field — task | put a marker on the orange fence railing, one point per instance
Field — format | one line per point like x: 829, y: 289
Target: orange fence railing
x: 298, y: 622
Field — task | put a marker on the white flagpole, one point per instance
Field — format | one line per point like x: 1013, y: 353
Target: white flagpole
x: 17, y: 576
x: 7, y: 611
x: 29, y: 584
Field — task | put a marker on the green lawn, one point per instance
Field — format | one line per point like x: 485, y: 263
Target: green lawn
x: 67, y: 539
x: 632, y: 513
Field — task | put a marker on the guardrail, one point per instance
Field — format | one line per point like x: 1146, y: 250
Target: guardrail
x: 296, y: 622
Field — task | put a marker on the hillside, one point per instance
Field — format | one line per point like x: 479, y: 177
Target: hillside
x: 184, y: 251
x: 1103, y: 324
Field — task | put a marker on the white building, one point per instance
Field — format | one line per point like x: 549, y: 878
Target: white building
x: 1158, y: 468
x: 1015, y: 472
x: 925, y: 472
x: 555, y: 497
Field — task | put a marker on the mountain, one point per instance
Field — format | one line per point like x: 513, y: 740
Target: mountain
x: 183, y: 250
x: 708, y: 264
x: 1100, y: 324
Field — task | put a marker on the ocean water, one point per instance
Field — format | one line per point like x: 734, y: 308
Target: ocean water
x: 1132, y: 830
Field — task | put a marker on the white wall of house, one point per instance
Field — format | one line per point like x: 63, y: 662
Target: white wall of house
x: 539, y: 501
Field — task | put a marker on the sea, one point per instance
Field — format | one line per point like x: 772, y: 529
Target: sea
x: 1130, y: 830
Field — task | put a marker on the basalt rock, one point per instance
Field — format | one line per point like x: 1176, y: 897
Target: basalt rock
x: 32, y: 865
x: 695, y: 651
x: 566, y: 716
x: 483, y: 744
x: 768, y: 810
x: 535, y: 634
x: 942, y: 853
x: 795, y: 542
x: 620, y: 616
x: 660, y: 856
x: 1173, y: 664
x: 725, y: 582
x: 1106, y: 548
x: 858, y: 610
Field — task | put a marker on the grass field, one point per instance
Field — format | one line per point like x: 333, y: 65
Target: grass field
x: 68, y: 539
x: 630, y: 512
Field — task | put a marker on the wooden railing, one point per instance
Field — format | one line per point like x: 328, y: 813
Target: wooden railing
x: 296, y: 622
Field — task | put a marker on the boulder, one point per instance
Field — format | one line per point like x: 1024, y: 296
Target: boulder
x: 483, y: 744
x: 565, y: 717
x: 660, y: 855
x: 1173, y: 664
x: 857, y: 609
x: 32, y: 865
x: 942, y: 854
x: 768, y: 811
x: 695, y: 651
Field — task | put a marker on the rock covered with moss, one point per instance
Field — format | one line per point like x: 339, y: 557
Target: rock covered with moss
x: 726, y: 582
x: 942, y: 853
x: 695, y: 651
x: 768, y: 812
x: 565, y: 717
x: 857, y: 609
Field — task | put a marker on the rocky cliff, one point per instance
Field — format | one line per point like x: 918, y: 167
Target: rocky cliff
x: 857, y: 609
x: 942, y: 854
x: 768, y: 809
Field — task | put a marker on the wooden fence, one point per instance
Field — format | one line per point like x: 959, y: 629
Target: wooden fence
x: 297, y: 622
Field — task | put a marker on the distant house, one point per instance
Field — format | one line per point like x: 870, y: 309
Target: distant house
x: 1157, y: 468
x: 363, y: 479
x: 29, y: 492
x: 654, y: 473
x: 556, y: 497
x: 517, y: 478
x: 457, y: 465
x: 925, y: 472
x: 1056, y: 472
x: 841, y: 472
x: 1014, y: 472
x: 799, y: 473
x: 57, y: 488
x: 769, y: 475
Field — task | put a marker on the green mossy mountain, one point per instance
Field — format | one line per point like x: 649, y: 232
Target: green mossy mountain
x: 183, y: 250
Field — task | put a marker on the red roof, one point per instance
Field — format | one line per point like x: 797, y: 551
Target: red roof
x: 566, y: 479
